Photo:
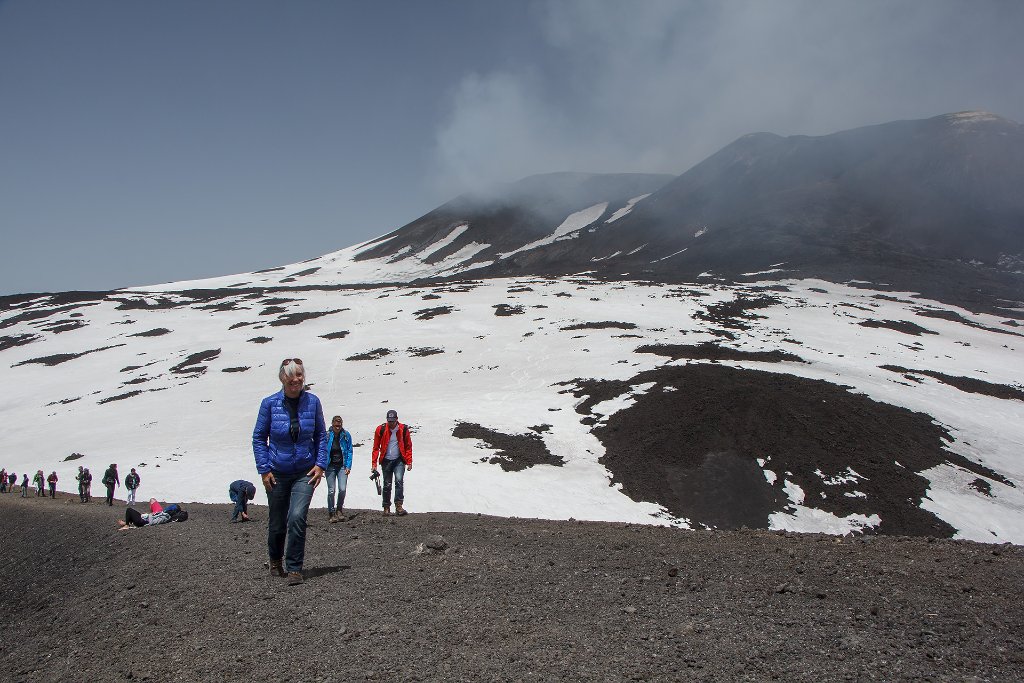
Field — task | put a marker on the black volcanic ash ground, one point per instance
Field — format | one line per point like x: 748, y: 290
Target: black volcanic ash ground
x: 457, y: 597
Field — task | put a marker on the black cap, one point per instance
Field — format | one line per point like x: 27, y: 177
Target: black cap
x: 392, y: 415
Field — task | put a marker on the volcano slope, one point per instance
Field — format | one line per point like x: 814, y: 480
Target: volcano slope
x: 445, y: 596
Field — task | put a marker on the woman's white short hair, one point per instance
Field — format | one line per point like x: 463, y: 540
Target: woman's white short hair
x: 289, y: 368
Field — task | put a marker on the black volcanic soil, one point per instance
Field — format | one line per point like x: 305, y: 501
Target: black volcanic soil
x: 506, y: 600
x: 692, y: 444
x: 514, y: 452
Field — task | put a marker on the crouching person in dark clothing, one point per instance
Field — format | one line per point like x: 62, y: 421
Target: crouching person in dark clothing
x: 241, y: 492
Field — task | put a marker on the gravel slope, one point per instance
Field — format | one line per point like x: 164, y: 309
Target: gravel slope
x: 506, y: 600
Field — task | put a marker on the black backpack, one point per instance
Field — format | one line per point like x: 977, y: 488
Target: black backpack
x: 177, y: 513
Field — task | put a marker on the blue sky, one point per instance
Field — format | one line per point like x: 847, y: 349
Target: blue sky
x: 144, y: 142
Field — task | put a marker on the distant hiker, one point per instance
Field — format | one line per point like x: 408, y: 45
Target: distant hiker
x: 241, y: 492
x: 393, y: 446
x: 52, y: 481
x: 111, y: 480
x: 3, y: 480
x: 131, y: 483
x: 83, y: 484
x: 339, y: 466
x: 24, y: 486
x: 289, y: 443
x: 37, y: 482
x: 12, y: 481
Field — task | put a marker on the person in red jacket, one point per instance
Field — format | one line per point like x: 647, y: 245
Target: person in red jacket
x: 392, y: 447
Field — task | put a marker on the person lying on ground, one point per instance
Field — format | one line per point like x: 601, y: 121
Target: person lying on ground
x: 134, y: 519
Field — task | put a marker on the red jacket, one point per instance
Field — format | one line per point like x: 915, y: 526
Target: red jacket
x: 381, y: 437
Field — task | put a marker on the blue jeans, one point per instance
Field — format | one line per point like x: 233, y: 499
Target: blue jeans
x: 241, y: 504
x: 396, y: 468
x: 131, y: 496
x: 289, y: 503
x: 336, y: 474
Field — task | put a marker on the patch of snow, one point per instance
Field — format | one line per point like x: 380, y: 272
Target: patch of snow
x: 627, y: 208
x: 764, y: 272
x: 613, y: 405
x: 793, y: 490
x: 970, y: 117
x: 670, y: 255
x: 950, y: 497
x: 366, y: 246
x: 702, y: 231
x: 849, y: 477
x: 572, y: 224
x: 444, y: 242
x: 812, y: 520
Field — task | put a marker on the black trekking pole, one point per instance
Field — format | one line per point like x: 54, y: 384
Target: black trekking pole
x: 375, y: 475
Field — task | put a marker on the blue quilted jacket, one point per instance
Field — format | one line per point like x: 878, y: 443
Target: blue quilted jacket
x: 272, y: 444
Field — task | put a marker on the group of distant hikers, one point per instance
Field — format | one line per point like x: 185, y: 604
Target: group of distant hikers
x: 294, y: 450
x: 9, y: 483
x: 111, y: 480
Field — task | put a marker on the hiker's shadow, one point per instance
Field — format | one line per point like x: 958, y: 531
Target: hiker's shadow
x: 323, y: 571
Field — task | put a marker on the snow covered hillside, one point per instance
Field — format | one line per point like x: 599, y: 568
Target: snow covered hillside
x: 528, y: 396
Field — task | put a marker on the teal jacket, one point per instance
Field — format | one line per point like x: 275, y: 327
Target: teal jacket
x: 345, y: 441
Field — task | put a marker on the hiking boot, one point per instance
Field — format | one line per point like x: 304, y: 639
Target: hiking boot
x: 387, y: 510
x: 399, y: 510
x: 277, y: 568
x: 295, y: 578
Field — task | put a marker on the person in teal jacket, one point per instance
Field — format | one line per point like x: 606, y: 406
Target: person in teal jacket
x: 339, y: 466
x: 289, y: 443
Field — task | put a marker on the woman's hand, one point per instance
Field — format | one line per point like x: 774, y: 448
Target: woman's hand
x: 269, y: 481
x: 348, y: 471
x: 315, y: 475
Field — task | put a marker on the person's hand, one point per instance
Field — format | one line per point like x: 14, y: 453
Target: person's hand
x: 269, y: 481
x: 409, y: 468
x: 348, y: 471
x: 315, y: 475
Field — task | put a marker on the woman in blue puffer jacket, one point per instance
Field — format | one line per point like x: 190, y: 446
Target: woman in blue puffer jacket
x: 290, y: 445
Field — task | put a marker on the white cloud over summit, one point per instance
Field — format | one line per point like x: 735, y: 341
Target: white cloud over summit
x: 659, y: 85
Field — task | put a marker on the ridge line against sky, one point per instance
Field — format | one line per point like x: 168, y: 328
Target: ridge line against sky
x: 152, y: 142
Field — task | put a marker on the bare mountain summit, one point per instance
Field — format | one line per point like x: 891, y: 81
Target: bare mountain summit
x: 930, y: 205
